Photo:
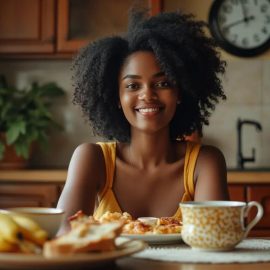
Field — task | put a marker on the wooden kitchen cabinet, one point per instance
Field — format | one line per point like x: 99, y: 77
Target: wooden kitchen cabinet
x: 237, y: 193
x: 30, y: 187
x: 81, y: 21
x: 261, y: 194
x: 27, y: 26
x: 32, y: 195
x: 254, y: 192
x: 59, y: 28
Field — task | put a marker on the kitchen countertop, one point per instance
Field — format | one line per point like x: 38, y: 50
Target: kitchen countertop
x: 35, y: 175
x: 59, y: 176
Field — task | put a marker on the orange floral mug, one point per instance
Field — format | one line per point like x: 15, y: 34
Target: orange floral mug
x: 216, y: 225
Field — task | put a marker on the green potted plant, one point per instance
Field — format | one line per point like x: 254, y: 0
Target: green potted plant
x: 25, y: 119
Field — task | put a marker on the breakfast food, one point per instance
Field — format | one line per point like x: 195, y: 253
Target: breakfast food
x: 20, y: 234
x: 86, y: 235
x: 149, y: 225
x: 161, y: 225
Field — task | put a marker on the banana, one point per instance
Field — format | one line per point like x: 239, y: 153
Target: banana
x: 19, y: 233
x: 30, y: 229
x: 10, y: 231
x: 29, y: 247
x: 26, y: 222
x: 6, y: 246
x: 41, y: 235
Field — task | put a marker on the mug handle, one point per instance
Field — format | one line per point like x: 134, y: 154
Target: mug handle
x: 257, y: 218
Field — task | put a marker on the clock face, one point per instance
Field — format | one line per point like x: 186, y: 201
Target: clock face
x: 241, y: 27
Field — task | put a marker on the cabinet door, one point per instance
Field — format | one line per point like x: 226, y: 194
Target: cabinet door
x: 261, y: 194
x: 237, y: 192
x: 27, y: 26
x: 39, y: 195
x: 80, y: 21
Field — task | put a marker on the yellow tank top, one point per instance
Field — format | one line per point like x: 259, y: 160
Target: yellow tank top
x: 107, y: 199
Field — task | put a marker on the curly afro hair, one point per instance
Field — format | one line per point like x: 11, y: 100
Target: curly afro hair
x: 187, y: 56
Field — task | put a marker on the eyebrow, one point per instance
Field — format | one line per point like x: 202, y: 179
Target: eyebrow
x: 130, y: 76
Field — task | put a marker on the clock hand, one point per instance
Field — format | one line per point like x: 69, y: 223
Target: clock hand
x: 247, y: 19
x: 244, y: 11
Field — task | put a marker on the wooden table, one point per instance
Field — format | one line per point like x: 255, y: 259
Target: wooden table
x: 140, y: 264
x: 130, y: 263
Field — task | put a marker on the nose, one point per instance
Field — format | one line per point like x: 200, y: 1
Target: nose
x: 147, y: 94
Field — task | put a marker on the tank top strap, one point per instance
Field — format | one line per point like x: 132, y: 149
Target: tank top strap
x: 192, y: 153
x: 109, y: 152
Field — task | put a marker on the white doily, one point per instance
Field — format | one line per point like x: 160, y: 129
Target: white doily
x: 249, y: 250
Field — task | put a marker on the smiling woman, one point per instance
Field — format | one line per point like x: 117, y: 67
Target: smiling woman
x: 146, y: 91
x: 146, y: 96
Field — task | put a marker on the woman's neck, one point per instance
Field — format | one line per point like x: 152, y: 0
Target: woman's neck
x: 147, y: 151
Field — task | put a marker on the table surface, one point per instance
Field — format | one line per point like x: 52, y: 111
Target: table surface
x: 130, y: 263
x: 141, y: 264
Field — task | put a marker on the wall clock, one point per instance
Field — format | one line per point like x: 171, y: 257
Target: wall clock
x: 241, y: 27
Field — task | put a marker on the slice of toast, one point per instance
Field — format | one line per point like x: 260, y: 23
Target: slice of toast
x: 84, y: 238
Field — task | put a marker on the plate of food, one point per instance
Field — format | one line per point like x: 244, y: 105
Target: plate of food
x: 163, y: 230
x: 124, y: 247
x: 87, y: 243
x: 156, y: 239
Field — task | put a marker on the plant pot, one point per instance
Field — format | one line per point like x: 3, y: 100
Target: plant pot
x: 11, y: 160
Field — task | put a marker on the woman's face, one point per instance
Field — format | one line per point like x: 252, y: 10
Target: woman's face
x: 147, y: 98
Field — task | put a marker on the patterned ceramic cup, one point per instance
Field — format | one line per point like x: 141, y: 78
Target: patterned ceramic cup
x: 216, y: 225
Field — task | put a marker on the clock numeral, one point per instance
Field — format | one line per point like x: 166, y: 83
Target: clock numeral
x: 264, y: 30
x: 263, y: 8
x: 256, y: 2
x: 256, y: 38
x: 227, y: 8
x: 267, y: 19
x: 244, y: 1
x: 245, y: 42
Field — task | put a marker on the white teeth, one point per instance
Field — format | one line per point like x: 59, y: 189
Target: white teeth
x: 145, y: 110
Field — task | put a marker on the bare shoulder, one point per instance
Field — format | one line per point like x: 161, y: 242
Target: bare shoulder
x: 211, y: 174
x: 87, y: 162
x: 210, y: 155
x: 86, y: 175
x: 87, y: 151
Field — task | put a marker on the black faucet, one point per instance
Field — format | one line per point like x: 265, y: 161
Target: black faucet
x: 240, y: 158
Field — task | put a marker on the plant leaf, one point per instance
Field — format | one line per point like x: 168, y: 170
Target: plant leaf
x: 22, y: 149
x: 25, y: 114
x: 14, y: 130
x: 51, y: 90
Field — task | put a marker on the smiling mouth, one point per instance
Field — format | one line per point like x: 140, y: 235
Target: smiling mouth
x: 149, y: 111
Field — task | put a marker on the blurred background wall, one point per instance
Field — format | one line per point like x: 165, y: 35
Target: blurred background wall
x: 246, y: 84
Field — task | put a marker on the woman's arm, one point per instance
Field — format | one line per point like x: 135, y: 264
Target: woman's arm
x: 211, y: 175
x: 86, y: 174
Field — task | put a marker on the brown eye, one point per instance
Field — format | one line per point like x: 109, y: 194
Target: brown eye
x: 163, y: 84
x: 133, y: 86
